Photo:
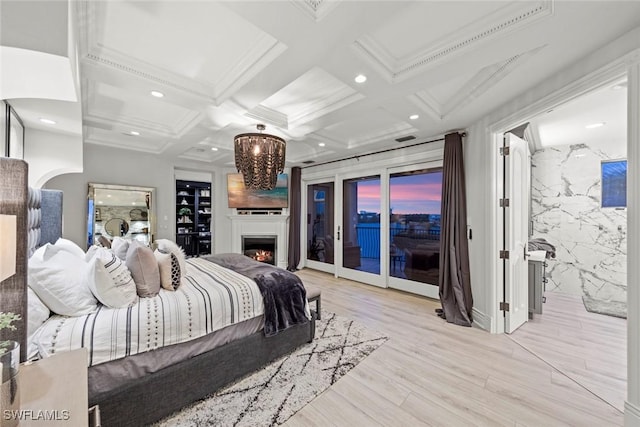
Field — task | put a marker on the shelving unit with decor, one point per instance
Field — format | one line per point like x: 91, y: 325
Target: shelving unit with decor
x: 193, y: 217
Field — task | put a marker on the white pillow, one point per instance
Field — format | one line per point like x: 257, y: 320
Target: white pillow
x: 56, y: 276
x: 37, y: 314
x: 169, y: 269
x: 110, y: 280
x: 69, y: 246
x: 167, y: 245
x: 120, y: 246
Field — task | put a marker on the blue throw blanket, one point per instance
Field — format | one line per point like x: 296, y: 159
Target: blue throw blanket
x: 283, y: 292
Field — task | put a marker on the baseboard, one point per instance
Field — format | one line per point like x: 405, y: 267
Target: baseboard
x: 481, y: 320
x: 631, y: 415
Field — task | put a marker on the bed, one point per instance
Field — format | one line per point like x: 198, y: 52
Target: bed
x: 142, y: 368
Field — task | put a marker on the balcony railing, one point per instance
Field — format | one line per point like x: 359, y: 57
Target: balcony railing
x: 369, y: 237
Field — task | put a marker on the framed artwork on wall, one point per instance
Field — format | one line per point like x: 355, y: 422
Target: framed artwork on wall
x: 14, y: 134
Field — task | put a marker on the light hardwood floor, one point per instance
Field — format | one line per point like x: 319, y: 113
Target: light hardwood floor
x: 430, y: 372
x: 589, y: 348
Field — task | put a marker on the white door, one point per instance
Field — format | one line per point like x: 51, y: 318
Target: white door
x: 517, y: 176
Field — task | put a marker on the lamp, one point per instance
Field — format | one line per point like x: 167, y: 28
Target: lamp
x: 260, y: 158
x: 7, y: 246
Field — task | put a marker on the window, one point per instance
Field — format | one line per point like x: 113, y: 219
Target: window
x: 614, y: 184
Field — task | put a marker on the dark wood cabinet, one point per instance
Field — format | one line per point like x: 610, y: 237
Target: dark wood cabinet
x: 194, y: 212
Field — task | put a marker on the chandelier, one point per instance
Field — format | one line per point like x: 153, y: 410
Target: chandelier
x: 260, y: 158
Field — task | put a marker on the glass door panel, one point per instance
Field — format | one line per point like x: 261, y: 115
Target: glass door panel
x: 361, y: 224
x: 320, y: 244
x: 414, y: 229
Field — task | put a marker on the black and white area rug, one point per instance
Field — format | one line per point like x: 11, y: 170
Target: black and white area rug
x: 273, y: 394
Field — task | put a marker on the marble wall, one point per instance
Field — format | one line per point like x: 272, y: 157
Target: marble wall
x: 590, y: 241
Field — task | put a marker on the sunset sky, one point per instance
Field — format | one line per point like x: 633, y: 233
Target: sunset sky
x: 409, y: 194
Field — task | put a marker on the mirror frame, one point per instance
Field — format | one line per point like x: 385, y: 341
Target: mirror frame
x: 91, y: 207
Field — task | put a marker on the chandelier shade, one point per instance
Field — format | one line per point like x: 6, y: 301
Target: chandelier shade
x: 259, y: 158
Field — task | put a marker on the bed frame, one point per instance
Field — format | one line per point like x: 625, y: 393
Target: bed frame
x: 150, y: 398
x: 155, y: 396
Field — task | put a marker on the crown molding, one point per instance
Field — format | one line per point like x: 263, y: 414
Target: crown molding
x: 485, y: 80
x: 396, y: 131
x: 475, y: 87
x: 268, y: 115
x: 261, y: 53
x: 175, y: 130
x: 316, y: 9
x: 125, y: 143
x: 499, y: 23
x: 342, y: 98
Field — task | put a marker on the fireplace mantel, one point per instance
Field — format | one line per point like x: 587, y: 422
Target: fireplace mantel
x: 261, y: 225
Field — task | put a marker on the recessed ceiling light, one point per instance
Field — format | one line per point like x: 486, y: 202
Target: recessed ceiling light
x: 414, y: 117
x: 360, y: 78
x: 108, y: 195
x: 321, y: 144
x: 133, y: 203
x: 157, y: 94
x: 100, y: 202
x: 134, y: 133
x: 594, y: 125
x: 47, y: 121
x: 214, y: 148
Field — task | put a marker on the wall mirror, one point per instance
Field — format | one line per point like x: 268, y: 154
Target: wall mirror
x: 120, y: 211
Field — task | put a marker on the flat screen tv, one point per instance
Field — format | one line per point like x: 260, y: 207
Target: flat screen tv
x: 242, y: 198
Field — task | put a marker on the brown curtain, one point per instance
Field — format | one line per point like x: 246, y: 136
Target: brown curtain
x: 455, y: 280
x: 294, y: 219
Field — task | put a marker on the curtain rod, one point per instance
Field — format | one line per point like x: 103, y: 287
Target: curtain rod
x: 463, y: 134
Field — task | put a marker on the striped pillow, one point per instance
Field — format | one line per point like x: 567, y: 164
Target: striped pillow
x: 110, y: 280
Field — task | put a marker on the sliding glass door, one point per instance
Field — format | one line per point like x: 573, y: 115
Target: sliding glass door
x: 414, y: 230
x: 320, y: 226
x: 361, y: 226
x: 381, y: 229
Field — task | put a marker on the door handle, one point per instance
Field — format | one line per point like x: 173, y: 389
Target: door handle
x: 338, y: 235
x: 526, y: 254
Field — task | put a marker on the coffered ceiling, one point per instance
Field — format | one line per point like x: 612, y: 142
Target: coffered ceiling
x: 224, y: 66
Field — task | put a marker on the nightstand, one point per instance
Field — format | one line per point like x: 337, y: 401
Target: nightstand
x: 55, y: 388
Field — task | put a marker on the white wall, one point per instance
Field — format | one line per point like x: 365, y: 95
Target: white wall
x: 50, y: 154
x: 590, y: 241
x: 481, y: 158
x: 107, y: 165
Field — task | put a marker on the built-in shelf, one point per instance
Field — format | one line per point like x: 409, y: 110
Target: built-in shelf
x: 193, y: 236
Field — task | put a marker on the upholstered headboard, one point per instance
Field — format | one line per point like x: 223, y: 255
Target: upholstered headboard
x: 39, y: 221
x: 44, y: 220
x: 13, y: 291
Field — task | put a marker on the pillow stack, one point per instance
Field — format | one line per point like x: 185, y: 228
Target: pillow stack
x: 69, y: 282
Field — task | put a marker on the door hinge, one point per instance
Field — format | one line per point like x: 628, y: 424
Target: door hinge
x: 504, y: 151
x: 504, y: 203
x: 504, y: 254
x: 504, y: 306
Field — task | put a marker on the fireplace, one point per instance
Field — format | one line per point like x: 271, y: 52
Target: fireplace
x: 261, y: 226
x: 260, y: 248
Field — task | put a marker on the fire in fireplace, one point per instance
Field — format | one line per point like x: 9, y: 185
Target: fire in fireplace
x: 260, y: 248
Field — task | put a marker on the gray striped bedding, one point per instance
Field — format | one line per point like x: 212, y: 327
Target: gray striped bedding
x: 210, y: 297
